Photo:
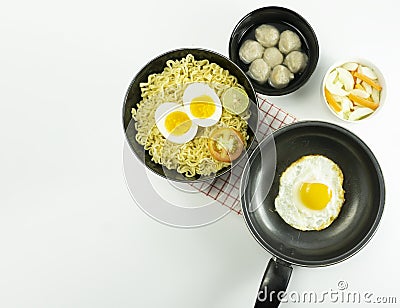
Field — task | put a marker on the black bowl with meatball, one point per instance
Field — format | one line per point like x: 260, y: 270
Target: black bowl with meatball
x: 296, y: 29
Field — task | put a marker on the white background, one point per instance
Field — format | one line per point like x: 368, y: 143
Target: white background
x: 70, y: 233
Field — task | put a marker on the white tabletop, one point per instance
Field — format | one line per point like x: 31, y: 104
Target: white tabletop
x: 71, y: 234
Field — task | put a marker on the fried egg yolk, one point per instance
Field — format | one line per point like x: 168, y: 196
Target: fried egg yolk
x: 315, y: 196
x: 202, y: 107
x: 177, y: 123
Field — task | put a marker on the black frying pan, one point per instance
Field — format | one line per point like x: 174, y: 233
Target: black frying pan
x: 356, y: 223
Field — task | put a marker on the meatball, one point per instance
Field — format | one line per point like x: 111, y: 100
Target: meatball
x: 296, y: 61
x: 272, y: 56
x: 280, y: 77
x: 259, y: 71
x: 250, y: 50
x: 267, y: 35
x: 289, y: 41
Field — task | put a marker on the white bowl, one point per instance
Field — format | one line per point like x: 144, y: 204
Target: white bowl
x: 381, y: 80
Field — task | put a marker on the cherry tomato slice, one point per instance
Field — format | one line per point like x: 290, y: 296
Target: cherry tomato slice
x: 225, y: 144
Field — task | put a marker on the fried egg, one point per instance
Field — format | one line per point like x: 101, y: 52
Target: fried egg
x: 174, y: 123
x: 310, y: 193
x: 202, y: 104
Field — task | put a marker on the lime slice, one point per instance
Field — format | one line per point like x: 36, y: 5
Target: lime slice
x: 235, y: 100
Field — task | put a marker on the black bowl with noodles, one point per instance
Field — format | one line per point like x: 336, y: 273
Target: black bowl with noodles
x: 283, y: 19
x: 157, y: 65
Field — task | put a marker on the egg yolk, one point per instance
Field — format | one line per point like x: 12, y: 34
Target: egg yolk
x: 315, y: 196
x: 202, y: 107
x: 177, y: 123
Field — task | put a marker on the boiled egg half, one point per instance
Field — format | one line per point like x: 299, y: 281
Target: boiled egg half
x: 174, y: 123
x: 202, y: 104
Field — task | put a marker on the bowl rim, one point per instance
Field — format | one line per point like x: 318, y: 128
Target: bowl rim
x: 247, y: 150
x: 362, y: 61
x: 283, y: 91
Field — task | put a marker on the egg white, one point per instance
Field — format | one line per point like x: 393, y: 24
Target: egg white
x: 160, y: 115
x: 197, y: 89
x: 309, y: 169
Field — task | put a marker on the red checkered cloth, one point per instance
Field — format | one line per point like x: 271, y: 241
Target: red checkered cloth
x: 225, y: 189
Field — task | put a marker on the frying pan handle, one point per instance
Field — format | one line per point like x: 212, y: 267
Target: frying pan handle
x: 273, y: 284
